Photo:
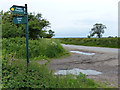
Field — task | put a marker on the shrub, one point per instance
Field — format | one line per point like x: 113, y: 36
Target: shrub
x: 42, y: 48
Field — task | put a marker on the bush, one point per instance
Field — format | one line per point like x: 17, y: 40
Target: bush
x: 42, y: 48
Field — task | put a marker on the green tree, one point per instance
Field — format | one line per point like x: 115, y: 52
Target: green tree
x: 97, y: 29
x: 37, y: 26
x: 8, y: 28
x: 50, y: 34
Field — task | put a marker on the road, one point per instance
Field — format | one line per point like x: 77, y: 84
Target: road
x: 105, y: 60
x: 92, y: 49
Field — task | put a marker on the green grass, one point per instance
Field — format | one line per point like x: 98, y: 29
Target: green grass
x: 38, y: 49
x: 98, y: 42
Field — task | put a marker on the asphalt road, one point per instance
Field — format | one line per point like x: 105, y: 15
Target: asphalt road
x: 92, y: 49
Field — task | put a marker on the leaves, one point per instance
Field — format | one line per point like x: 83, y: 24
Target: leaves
x: 37, y: 26
x: 44, y: 48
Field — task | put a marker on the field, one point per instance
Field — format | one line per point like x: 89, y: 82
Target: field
x: 98, y: 42
x: 17, y: 75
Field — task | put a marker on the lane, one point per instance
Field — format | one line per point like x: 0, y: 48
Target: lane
x: 92, y: 49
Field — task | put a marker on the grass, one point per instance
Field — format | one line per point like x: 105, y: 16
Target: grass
x: 98, y: 42
x: 38, y: 49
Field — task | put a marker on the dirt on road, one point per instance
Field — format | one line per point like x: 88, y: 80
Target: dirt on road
x: 105, y: 60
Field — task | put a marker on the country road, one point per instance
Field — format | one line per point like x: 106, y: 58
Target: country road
x: 105, y: 61
x: 92, y: 49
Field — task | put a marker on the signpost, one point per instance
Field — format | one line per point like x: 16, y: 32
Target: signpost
x: 22, y: 10
x: 27, y: 49
x: 19, y: 20
x: 18, y: 9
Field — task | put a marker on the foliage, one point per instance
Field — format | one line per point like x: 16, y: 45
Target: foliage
x: 97, y: 29
x: 99, y: 42
x: 10, y: 30
x: 50, y: 34
x: 45, y: 48
x: 37, y: 26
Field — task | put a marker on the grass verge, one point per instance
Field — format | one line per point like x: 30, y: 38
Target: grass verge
x: 38, y: 49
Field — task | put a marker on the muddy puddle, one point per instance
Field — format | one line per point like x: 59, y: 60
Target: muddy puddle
x: 84, y: 53
x: 76, y: 71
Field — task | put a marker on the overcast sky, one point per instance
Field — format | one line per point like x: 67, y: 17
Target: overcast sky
x: 73, y: 18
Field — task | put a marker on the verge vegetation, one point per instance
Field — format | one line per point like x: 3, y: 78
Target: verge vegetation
x: 98, y: 42
x: 38, y: 49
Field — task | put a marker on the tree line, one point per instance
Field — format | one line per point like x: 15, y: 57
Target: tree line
x: 38, y: 26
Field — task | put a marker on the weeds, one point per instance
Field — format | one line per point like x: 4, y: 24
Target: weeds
x: 38, y: 49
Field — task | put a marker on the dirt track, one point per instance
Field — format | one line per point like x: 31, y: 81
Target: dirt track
x: 105, y: 60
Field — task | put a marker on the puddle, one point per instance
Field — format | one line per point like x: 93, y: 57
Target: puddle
x: 85, y: 53
x: 76, y: 71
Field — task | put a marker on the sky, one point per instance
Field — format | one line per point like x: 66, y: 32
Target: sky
x: 73, y: 18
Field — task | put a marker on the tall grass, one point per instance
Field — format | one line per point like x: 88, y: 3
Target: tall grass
x: 99, y: 42
x: 42, y: 48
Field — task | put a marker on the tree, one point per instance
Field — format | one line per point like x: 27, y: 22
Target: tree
x: 50, y: 34
x: 97, y: 29
x: 9, y: 29
x: 37, y: 26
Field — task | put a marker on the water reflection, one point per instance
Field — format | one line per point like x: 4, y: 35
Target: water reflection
x: 85, y: 53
